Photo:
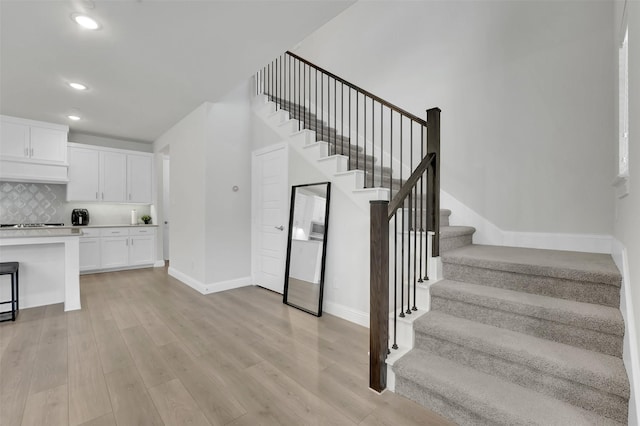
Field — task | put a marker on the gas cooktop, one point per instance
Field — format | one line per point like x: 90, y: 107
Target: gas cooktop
x: 29, y: 225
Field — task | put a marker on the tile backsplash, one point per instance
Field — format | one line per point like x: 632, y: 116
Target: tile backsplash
x: 31, y: 202
x: 42, y: 203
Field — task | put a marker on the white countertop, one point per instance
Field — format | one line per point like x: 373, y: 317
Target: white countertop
x: 40, y: 232
x: 141, y: 225
x: 58, y: 231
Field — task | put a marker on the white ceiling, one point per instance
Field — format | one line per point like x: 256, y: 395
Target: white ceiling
x: 150, y: 64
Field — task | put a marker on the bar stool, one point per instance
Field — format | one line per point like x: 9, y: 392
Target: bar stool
x: 11, y: 268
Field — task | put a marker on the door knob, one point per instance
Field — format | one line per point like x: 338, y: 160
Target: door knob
x: 279, y: 227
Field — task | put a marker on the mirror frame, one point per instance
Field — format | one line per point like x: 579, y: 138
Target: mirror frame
x: 324, y: 248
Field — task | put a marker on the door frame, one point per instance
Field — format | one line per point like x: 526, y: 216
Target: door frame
x: 255, y: 229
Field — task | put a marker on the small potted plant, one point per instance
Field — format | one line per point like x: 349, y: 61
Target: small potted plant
x: 146, y: 219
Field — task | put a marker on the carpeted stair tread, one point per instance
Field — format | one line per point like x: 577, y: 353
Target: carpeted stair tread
x: 588, y: 267
x: 585, y: 315
x: 600, y: 371
x: 494, y: 400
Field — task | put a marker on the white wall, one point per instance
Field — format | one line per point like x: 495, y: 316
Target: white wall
x: 526, y: 92
x: 187, y: 141
x: 228, y: 213
x: 110, y: 142
x: 210, y: 232
x: 627, y: 209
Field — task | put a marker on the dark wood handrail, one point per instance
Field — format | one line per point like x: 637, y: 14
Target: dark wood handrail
x: 407, y: 187
x: 359, y: 89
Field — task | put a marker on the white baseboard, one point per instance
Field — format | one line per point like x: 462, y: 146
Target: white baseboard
x: 158, y: 264
x: 186, y: 279
x: 227, y: 285
x: 488, y: 233
x: 203, y: 288
x: 344, y: 312
x: 590, y: 243
x: 630, y: 348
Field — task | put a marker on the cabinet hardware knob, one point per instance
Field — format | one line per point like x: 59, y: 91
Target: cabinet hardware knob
x: 279, y: 227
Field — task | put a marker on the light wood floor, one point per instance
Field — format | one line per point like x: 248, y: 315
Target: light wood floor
x: 145, y: 350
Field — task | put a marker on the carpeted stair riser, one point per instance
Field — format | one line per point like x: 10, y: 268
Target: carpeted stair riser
x: 471, y: 397
x: 577, y: 330
x: 455, y: 240
x: 587, y: 397
x: 597, y: 370
x: 442, y: 405
x: 602, y: 294
x: 575, y: 336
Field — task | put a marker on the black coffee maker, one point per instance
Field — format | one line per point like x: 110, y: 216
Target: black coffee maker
x: 80, y: 217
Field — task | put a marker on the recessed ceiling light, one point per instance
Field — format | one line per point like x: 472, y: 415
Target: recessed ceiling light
x: 78, y: 86
x: 85, y: 21
x: 73, y: 117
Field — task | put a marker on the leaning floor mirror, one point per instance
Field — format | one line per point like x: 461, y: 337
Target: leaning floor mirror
x: 307, y: 247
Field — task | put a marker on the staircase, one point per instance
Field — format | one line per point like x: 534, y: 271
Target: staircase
x: 513, y: 336
x: 520, y: 336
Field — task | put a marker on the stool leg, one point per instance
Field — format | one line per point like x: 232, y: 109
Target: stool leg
x: 17, y: 291
x: 13, y: 297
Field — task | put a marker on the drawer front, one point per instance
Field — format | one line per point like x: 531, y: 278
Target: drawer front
x: 114, y: 232
x: 142, y: 231
x: 90, y: 232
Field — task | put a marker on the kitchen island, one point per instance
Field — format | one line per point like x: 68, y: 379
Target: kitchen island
x: 49, y: 265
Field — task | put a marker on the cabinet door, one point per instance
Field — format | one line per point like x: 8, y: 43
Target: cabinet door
x: 114, y: 251
x: 141, y: 250
x: 14, y: 140
x: 84, y: 175
x: 89, y: 254
x: 139, y: 178
x: 113, y: 176
x: 48, y: 145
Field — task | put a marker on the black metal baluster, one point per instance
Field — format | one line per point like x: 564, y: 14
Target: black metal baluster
x: 342, y: 117
x: 403, y: 231
x: 321, y: 107
x: 300, y: 87
x: 391, y: 152
x: 357, y: 128
x: 364, y: 138
x: 422, y: 256
x: 410, y: 228
x: 415, y: 245
x: 382, y: 151
x: 316, y: 102
x: 335, y: 117
x: 395, y: 280
x: 373, y: 143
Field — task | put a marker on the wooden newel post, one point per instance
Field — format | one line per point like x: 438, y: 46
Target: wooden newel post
x: 379, y: 297
x: 433, y: 178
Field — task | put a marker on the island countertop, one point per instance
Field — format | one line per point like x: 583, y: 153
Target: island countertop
x: 7, y: 233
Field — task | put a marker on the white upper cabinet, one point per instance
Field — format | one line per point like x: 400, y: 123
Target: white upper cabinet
x: 14, y: 139
x: 139, y: 178
x: 48, y: 145
x: 113, y: 177
x: 84, y: 175
x: 32, y: 141
x: 109, y: 175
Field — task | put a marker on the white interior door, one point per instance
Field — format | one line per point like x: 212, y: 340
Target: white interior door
x: 270, y: 216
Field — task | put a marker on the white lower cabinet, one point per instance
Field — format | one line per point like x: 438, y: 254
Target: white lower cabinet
x: 141, y: 247
x: 89, y: 254
x: 116, y: 248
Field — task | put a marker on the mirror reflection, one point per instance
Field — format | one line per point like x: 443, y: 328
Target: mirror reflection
x: 306, y: 250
